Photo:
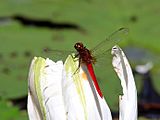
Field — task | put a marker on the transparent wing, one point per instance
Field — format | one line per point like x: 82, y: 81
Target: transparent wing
x: 56, y: 54
x: 108, y: 43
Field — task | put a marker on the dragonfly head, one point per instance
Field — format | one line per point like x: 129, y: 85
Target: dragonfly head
x: 78, y: 46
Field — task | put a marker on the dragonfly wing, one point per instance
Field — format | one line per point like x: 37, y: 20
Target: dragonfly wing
x: 108, y: 43
x: 56, y: 54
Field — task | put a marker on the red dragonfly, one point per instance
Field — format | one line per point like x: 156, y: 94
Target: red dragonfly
x: 89, y: 57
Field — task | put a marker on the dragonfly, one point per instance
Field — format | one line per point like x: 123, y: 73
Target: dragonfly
x: 89, y: 57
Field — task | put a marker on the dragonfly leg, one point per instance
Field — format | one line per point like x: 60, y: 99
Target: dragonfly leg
x: 74, y: 57
x: 79, y: 65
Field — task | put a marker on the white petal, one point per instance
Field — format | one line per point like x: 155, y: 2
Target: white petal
x: 45, y: 79
x: 128, y: 101
x: 33, y: 103
x: 79, y: 97
x: 52, y: 90
x: 32, y: 110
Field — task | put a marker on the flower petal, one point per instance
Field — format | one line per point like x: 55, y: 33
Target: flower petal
x: 33, y: 103
x: 45, y: 89
x: 78, y: 95
x: 32, y: 109
x: 128, y: 101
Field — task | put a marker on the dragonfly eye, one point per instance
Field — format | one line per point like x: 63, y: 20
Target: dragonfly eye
x: 78, y: 46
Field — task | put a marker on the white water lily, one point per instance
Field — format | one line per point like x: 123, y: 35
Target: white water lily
x: 58, y: 91
x: 127, y: 101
